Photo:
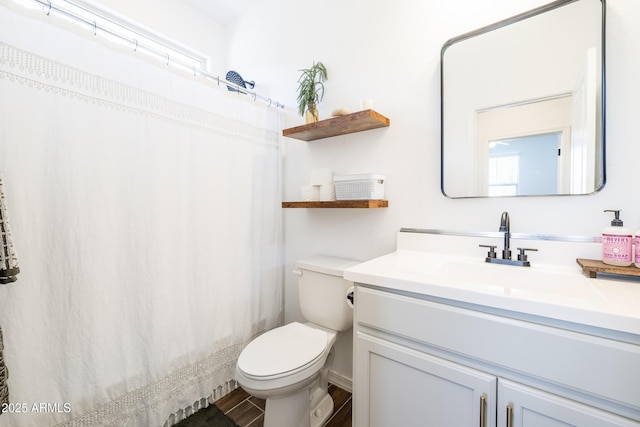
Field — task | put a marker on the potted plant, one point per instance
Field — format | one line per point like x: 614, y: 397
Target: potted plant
x: 311, y: 90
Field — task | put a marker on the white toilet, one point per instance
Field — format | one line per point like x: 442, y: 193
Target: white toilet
x: 289, y: 366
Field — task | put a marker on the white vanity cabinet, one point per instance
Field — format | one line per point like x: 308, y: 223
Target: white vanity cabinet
x: 427, y: 361
x: 442, y: 393
x: 524, y: 406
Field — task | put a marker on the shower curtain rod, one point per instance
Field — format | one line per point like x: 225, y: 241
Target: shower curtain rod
x: 48, y: 8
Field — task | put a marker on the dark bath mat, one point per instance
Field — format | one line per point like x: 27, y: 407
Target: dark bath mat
x: 210, y: 416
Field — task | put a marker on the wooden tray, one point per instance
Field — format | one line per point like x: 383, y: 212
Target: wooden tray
x: 592, y: 267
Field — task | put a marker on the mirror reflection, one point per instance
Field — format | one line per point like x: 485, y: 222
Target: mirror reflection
x: 522, y: 105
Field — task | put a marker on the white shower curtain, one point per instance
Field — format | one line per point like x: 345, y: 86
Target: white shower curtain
x: 145, y: 216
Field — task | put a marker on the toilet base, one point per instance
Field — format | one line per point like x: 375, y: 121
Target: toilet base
x: 288, y: 411
x: 321, y: 413
x: 293, y: 410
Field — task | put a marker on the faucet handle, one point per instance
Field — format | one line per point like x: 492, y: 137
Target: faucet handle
x: 492, y: 250
x: 522, y: 256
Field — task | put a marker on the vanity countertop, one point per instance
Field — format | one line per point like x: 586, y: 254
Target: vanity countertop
x: 550, y: 291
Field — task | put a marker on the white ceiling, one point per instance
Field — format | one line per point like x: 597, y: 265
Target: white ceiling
x: 223, y: 11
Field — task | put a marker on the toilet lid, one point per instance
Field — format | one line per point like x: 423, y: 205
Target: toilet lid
x: 282, y: 350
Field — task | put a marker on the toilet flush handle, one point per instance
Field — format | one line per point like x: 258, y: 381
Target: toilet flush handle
x: 297, y: 272
x: 351, y: 297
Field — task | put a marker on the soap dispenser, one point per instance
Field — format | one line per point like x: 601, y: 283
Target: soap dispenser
x: 617, y: 243
x: 637, y: 248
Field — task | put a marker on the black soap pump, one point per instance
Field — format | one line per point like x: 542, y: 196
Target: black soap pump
x: 617, y: 243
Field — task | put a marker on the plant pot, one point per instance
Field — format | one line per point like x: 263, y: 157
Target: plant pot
x: 311, y: 115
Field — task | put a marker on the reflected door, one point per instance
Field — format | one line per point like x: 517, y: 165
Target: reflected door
x: 525, y: 149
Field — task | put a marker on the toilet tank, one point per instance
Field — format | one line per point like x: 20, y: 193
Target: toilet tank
x: 322, y: 291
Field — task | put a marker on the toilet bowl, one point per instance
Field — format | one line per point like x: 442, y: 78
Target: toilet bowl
x: 284, y: 367
x: 289, y: 366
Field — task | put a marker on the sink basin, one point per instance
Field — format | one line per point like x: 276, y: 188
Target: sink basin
x: 513, y: 280
x: 437, y: 266
x: 553, y: 291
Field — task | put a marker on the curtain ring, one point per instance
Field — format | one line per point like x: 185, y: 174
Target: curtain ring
x: 135, y: 45
x: 49, y: 11
x: 167, y: 59
x: 269, y: 102
x: 95, y: 28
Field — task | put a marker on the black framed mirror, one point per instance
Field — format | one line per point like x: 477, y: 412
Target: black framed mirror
x: 522, y: 104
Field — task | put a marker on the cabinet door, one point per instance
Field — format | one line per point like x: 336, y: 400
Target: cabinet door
x: 530, y: 407
x: 398, y: 386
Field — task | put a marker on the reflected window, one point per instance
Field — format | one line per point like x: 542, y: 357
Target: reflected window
x: 504, y: 175
x: 525, y: 165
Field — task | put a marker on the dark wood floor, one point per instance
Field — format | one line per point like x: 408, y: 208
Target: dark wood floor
x: 248, y: 411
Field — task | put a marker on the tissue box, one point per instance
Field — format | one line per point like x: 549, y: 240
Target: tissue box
x: 368, y: 186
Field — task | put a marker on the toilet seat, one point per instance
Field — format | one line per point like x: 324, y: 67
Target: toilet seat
x: 283, y: 351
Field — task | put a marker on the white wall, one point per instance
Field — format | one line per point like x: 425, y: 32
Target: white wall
x: 390, y: 52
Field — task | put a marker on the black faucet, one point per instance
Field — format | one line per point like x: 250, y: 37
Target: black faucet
x: 505, y: 228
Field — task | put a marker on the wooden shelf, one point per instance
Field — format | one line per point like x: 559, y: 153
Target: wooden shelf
x: 341, y: 125
x: 592, y: 267
x: 363, y: 204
